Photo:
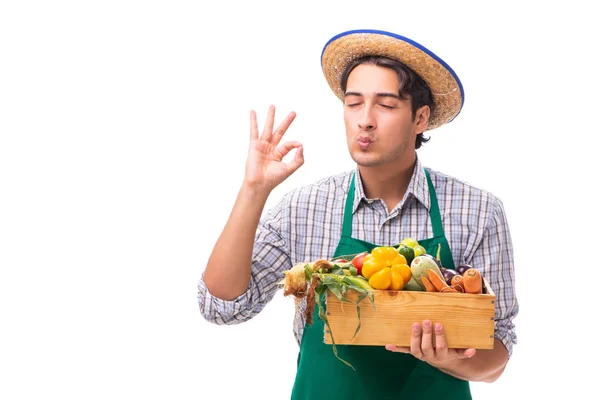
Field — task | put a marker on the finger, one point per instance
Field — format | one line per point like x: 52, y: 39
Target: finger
x: 285, y: 148
x: 397, y: 349
x: 268, y: 130
x: 415, y: 341
x: 253, y: 126
x: 283, y: 127
x: 297, y: 162
x: 427, y: 341
x: 441, y: 346
x: 468, y: 353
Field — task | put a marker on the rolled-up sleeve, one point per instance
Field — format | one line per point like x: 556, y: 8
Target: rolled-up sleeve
x: 270, y: 257
x: 494, y: 258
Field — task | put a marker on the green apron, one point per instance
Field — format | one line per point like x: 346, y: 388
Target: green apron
x: 380, y: 373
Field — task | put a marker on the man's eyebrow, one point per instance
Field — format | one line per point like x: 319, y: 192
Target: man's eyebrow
x: 395, y: 96
x: 352, y: 94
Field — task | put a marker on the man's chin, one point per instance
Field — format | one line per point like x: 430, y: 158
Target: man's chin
x: 365, y: 159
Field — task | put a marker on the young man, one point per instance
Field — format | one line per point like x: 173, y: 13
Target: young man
x: 393, y: 90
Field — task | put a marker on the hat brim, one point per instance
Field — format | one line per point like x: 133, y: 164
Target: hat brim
x: 345, y: 48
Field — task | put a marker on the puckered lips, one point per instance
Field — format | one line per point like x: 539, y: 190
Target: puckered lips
x: 364, y: 142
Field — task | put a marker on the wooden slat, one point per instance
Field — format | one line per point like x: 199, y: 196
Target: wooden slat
x: 468, y: 319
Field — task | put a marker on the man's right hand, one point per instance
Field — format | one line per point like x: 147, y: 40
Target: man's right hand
x: 265, y: 168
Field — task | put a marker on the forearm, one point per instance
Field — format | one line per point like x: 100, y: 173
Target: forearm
x: 484, y: 366
x: 227, y: 277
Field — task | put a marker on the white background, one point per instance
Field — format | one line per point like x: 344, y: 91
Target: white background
x: 123, y: 136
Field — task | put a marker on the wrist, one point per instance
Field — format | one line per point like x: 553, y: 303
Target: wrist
x: 452, y: 365
x: 254, y: 192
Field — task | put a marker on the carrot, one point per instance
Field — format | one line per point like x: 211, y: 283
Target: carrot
x: 436, y: 280
x: 458, y: 280
x: 428, y: 285
x: 448, y: 289
x: 472, y: 281
x: 459, y: 288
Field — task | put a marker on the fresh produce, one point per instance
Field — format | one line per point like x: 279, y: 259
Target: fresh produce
x: 472, y: 281
x: 340, y: 261
x: 324, y: 275
x: 408, y: 252
x: 449, y: 274
x: 297, y: 279
x: 413, y: 286
x: 419, y: 267
x: 410, y: 242
x: 462, y: 268
x: 419, y: 250
x: 383, y: 268
x: 437, y: 280
x: 433, y: 259
x: 406, y: 248
x: 382, y: 279
x: 358, y: 260
x: 428, y: 285
x: 386, y: 269
x: 448, y: 289
x: 458, y: 288
x: 415, y: 249
x: 457, y: 280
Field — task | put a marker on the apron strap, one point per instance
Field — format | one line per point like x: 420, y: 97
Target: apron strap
x: 434, y: 210
x: 347, y: 225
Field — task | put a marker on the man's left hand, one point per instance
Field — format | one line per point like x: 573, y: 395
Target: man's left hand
x: 422, y: 346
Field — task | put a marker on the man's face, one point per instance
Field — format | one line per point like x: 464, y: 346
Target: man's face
x: 379, y: 126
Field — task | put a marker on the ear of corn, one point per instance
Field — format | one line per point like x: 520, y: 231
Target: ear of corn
x: 323, y: 275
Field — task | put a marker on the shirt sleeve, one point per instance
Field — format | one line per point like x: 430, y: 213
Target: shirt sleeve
x: 270, y: 257
x: 494, y: 258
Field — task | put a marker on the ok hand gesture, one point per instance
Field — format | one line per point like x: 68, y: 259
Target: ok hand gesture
x: 265, y: 168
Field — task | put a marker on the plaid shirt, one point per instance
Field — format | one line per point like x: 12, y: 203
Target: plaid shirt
x: 306, y: 225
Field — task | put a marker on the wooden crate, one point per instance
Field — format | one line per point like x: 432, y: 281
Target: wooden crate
x: 468, y: 319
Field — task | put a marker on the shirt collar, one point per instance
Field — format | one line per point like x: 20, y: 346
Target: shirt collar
x: 417, y: 188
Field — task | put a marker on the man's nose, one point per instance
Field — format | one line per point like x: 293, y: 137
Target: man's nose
x: 367, y: 120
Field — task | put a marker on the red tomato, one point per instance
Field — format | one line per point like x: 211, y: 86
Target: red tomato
x: 340, y: 261
x: 357, y: 261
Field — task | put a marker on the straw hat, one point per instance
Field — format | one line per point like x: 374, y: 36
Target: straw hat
x: 343, y: 49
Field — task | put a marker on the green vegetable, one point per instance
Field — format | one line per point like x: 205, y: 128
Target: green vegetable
x: 338, y: 283
x: 407, y: 252
x: 420, y: 265
x: 412, y: 285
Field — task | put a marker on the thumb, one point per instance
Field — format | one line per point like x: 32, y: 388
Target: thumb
x: 468, y: 353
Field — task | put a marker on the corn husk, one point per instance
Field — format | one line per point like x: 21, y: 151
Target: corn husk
x: 296, y: 282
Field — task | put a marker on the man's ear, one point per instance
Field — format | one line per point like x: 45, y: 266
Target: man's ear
x: 422, y: 119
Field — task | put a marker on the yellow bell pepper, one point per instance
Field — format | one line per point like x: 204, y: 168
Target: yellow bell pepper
x: 385, y: 268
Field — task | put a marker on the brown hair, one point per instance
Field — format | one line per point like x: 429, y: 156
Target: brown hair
x: 412, y: 86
